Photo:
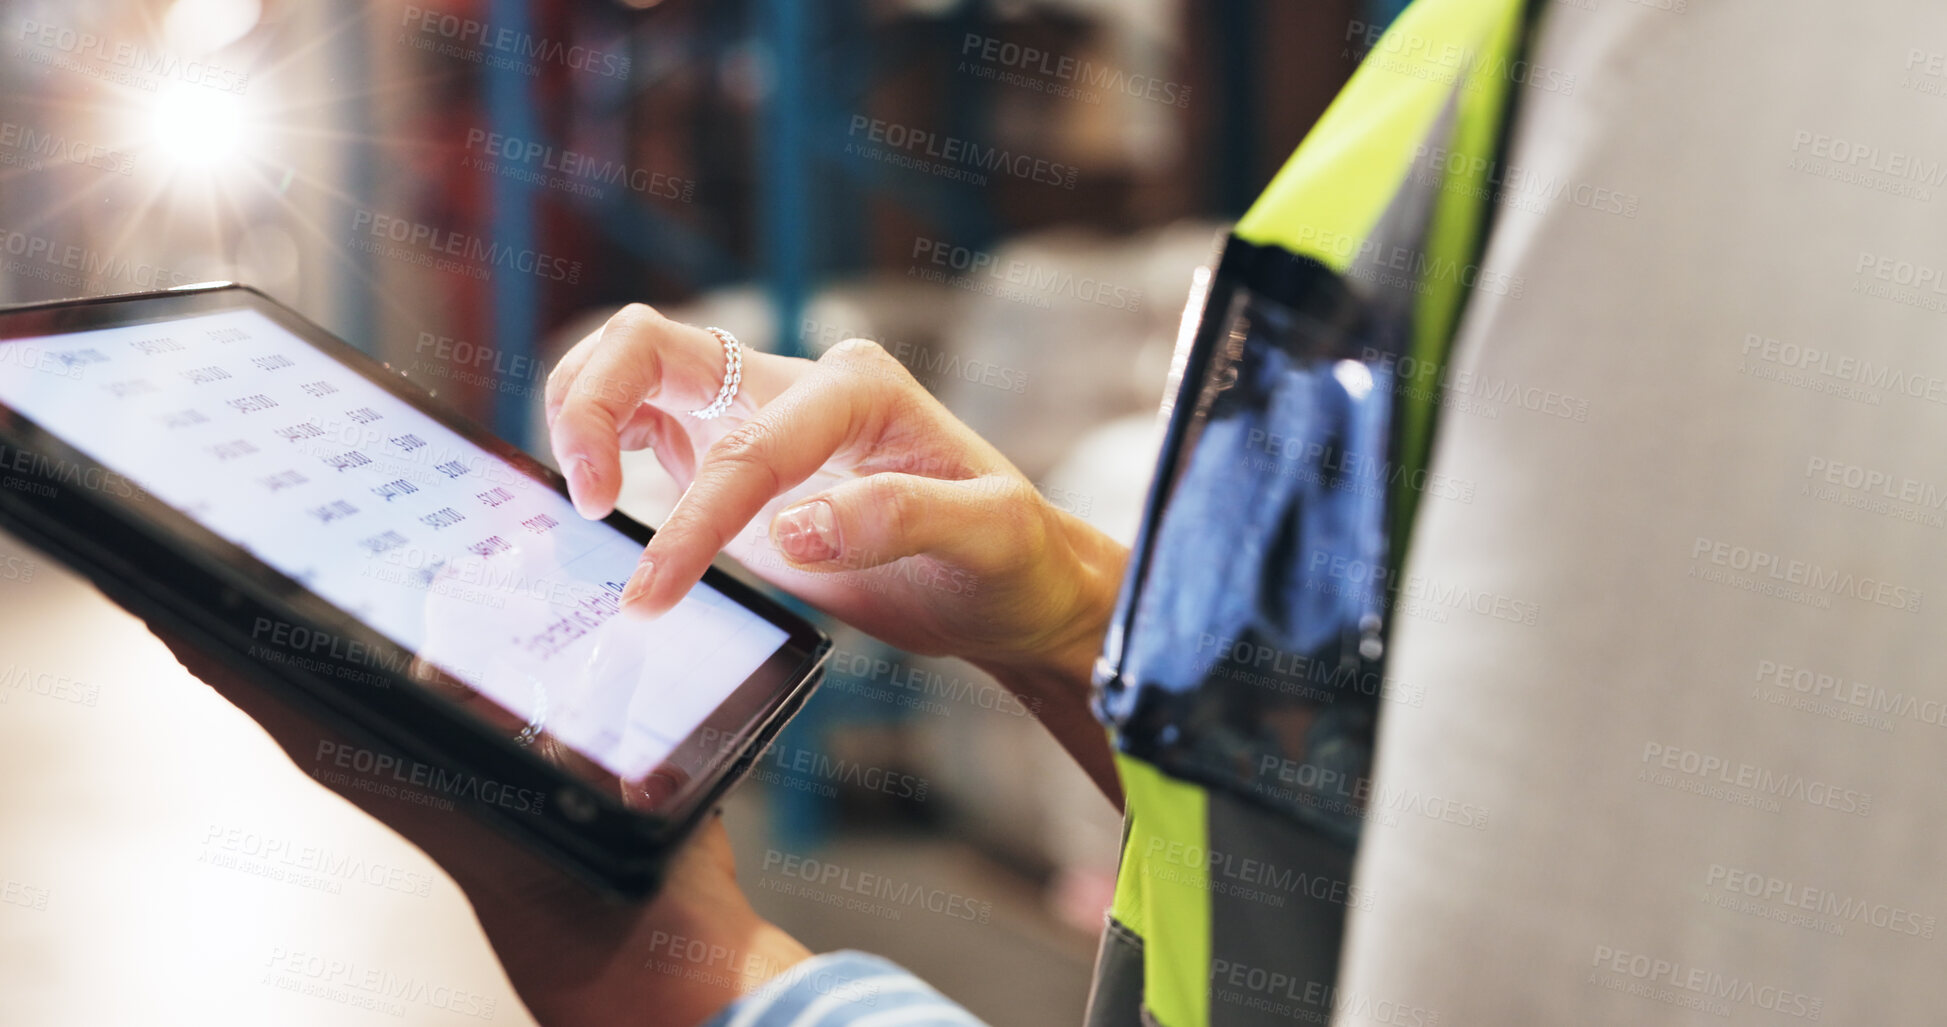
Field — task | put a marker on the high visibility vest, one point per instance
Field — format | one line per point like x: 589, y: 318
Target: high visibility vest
x: 1235, y: 873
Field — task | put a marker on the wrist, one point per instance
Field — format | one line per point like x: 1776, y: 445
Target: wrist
x: 1063, y: 654
x: 773, y: 952
x: 705, y: 971
x: 1100, y: 562
x: 1054, y: 676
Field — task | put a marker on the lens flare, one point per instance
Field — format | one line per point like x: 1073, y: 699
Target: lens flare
x: 193, y: 127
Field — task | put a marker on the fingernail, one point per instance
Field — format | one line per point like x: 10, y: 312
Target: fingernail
x: 808, y: 533
x: 581, y: 478
x: 638, y: 586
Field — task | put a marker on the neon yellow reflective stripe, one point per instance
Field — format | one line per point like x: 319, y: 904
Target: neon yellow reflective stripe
x: 1324, y: 204
x: 1453, y: 242
x: 1325, y: 200
x: 1162, y: 891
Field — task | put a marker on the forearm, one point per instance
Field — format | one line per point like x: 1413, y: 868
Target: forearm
x: 1060, y: 700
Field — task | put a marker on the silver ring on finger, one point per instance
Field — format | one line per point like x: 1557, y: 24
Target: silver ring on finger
x: 733, y: 376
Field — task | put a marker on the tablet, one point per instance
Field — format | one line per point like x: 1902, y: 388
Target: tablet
x: 216, y: 462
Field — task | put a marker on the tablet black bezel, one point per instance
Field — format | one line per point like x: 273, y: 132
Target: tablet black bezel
x: 132, y: 545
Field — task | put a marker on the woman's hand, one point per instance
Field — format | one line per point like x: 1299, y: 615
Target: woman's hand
x: 575, y: 958
x: 845, y: 482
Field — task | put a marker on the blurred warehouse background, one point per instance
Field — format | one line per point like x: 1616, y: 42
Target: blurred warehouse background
x: 1010, y: 196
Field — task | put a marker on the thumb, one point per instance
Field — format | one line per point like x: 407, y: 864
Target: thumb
x: 977, y: 523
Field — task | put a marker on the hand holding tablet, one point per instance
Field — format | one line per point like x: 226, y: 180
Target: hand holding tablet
x: 546, y: 928
x: 316, y: 520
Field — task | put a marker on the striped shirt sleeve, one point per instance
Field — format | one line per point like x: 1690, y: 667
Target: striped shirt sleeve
x: 845, y: 989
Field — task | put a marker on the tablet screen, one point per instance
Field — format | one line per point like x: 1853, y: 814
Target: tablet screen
x: 447, y: 549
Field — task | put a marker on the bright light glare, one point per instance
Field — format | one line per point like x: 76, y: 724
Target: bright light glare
x: 197, y: 127
x: 1354, y: 377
